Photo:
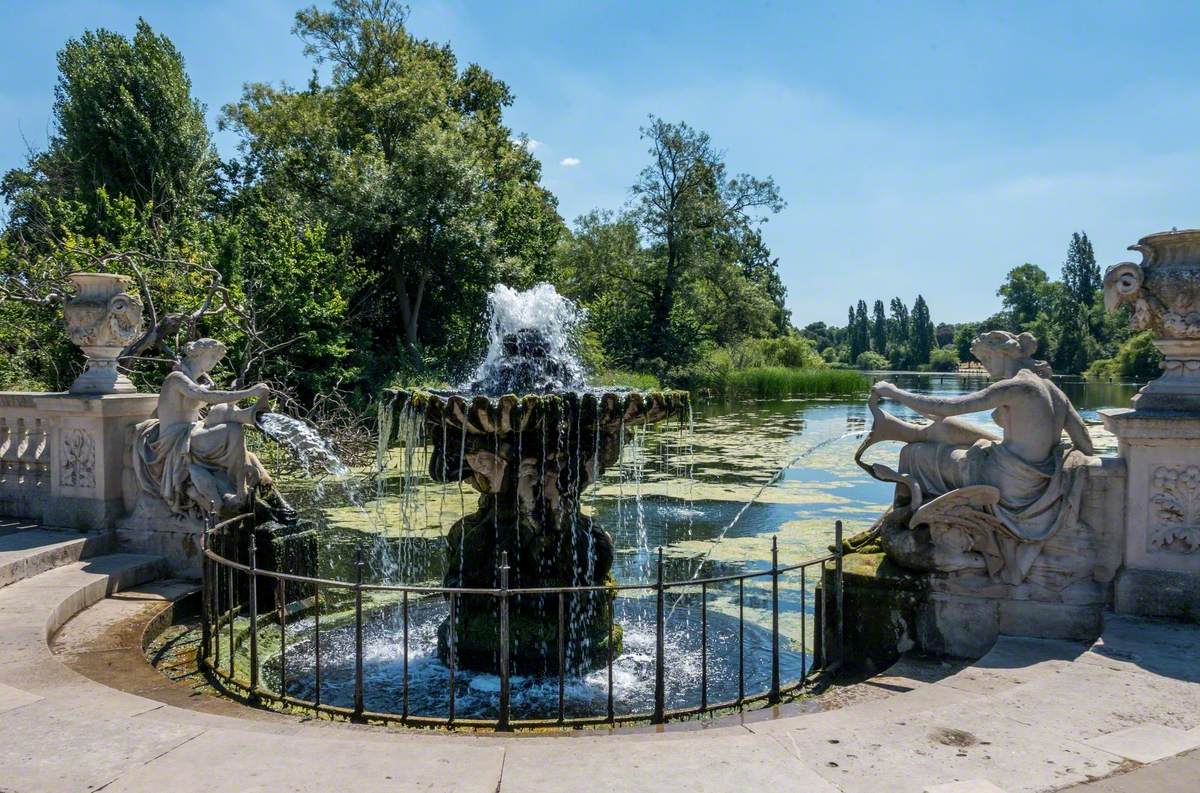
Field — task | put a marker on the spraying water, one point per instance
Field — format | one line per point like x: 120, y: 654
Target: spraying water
x: 313, y: 452
x: 531, y: 343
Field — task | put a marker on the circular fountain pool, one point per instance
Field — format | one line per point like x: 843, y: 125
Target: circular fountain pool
x: 477, y: 694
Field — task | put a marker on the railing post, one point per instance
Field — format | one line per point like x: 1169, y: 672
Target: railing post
x: 502, y: 723
x: 281, y: 596
x: 317, y: 644
x: 253, y: 615
x: 773, y: 697
x: 231, y: 591
x: 704, y: 647
x: 404, y: 614
x: 741, y: 641
x: 358, y: 639
x: 840, y: 637
x: 562, y: 658
x: 660, y: 687
x: 205, y: 592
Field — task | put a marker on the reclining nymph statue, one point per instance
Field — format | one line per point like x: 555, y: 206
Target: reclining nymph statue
x: 970, y: 502
x: 195, y: 465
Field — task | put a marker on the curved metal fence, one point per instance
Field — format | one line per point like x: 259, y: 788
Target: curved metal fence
x: 235, y: 619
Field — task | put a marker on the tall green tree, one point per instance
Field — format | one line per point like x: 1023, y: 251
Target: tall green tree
x: 898, y: 324
x: 922, y: 331
x: 761, y: 268
x: 125, y: 124
x: 407, y: 158
x: 879, y: 329
x: 1074, y: 348
x: 686, y: 205
x: 1080, y: 273
x: 860, y: 331
x: 1026, y: 293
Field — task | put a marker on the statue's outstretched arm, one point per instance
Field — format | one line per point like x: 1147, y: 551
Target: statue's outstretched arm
x: 939, y: 407
x: 216, y: 397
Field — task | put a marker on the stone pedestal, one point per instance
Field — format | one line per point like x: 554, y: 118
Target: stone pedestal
x: 890, y: 610
x: 1161, y: 449
x: 62, y: 456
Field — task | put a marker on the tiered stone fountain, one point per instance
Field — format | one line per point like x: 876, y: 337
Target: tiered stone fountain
x: 530, y: 436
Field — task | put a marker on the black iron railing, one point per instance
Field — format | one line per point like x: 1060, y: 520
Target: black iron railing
x: 231, y: 591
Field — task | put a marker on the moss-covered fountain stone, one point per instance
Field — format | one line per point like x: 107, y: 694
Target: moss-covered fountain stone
x: 529, y: 436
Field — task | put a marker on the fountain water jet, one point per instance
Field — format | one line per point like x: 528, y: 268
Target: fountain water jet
x: 530, y: 457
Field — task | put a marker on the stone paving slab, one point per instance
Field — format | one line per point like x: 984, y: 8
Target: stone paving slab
x: 949, y: 744
x: 915, y: 701
x: 1180, y: 774
x: 1157, y: 647
x: 13, y: 698
x: 1147, y: 743
x: 1085, y: 701
x: 697, y: 764
x: 246, y: 763
x: 966, y: 786
x: 48, y: 747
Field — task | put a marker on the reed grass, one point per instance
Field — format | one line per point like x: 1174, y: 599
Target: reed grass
x: 777, y: 382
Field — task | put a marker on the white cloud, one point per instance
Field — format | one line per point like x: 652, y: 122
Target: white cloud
x: 569, y: 162
x: 529, y: 143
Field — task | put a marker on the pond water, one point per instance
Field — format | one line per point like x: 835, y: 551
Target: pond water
x: 701, y: 498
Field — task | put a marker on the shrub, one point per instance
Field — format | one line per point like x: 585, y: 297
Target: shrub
x: 1137, y: 358
x: 944, y: 360
x: 870, y: 360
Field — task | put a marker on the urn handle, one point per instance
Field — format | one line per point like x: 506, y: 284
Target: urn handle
x: 1122, y: 282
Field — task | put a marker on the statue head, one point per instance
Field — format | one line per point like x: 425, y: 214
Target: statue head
x: 1004, y: 354
x: 202, y: 355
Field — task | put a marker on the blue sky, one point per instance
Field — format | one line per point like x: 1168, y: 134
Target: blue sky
x: 920, y: 147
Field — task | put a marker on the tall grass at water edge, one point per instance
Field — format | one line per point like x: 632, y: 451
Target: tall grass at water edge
x: 777, y: 382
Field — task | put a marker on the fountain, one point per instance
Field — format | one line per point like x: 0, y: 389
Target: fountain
x: 529, y: 436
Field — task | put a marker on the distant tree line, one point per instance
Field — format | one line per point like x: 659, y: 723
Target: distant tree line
x: 879, y: 338
x: 1075, y: 334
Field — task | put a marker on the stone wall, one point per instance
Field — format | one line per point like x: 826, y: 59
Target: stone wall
x: 62, y: 456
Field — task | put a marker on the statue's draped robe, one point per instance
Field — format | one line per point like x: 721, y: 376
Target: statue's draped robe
x: 163, y: 456
x: 1036, y: 498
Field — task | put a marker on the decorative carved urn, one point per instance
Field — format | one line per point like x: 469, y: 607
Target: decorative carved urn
x: 102, y: 318
x: 1164, y: 291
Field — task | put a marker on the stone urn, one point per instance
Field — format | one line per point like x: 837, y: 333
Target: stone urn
x: 1164, y: 291
x: 102, y: 319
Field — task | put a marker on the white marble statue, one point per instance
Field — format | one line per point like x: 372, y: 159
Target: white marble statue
x: 197, y: 464
x: 986, y: 503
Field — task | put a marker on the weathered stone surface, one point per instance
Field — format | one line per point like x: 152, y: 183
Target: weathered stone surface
x: 972, y: 504
x: 1161, y: 576
x: 1164, y: 290
x: 1147, y: 743
x: 103, y: 317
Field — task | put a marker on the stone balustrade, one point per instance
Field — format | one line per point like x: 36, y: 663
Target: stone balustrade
x: 26, y: 457
x: 62, y: 456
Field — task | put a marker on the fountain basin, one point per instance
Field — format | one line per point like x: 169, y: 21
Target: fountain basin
x: 530, y: 458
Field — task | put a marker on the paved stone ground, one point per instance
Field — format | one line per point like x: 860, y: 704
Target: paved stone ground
x: 1030, y: 716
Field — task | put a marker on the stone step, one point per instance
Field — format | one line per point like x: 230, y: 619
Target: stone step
x: 31, y: 551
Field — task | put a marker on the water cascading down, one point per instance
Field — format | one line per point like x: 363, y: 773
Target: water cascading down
x: 529, y: 435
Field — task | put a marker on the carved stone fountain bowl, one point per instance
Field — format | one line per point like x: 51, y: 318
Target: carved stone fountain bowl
x: 509, y: 414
